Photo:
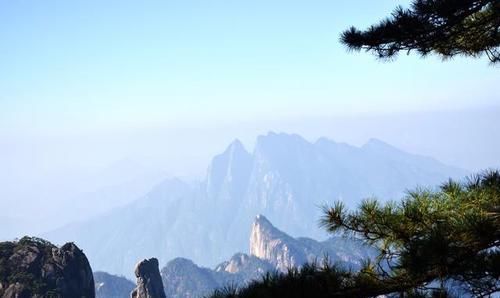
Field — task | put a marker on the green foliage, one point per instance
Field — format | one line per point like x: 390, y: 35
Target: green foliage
x: 427, y: 242
x: 27, y: 240
x: 29, y: 277
x: 311, y: 280
x: 444, y: 27
x: 6, y: 249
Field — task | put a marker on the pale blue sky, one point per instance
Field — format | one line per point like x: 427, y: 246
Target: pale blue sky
x: 73, y: 66
x: 91, y: 83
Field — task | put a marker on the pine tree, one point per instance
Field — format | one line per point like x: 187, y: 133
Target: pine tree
x: 450, y: 235
x: 429, y: 242
x: 444, y: 27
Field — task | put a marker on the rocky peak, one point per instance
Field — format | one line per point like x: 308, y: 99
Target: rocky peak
x: 274, y: 246
x: 149, y: 283
x: 262, y: 226
x: 229, y: 171
x: 33, y: 267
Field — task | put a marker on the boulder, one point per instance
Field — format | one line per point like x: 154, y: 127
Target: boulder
x: 149, y: 283
x: 33, y: 267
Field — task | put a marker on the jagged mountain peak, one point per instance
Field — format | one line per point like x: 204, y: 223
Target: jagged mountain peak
x: 235, y: 148
x: 261, y: 222
x: 269, y: 243
x: 232, y: 167
x: 262, y: 226
x: 285, y: 178
x: 236, y: 144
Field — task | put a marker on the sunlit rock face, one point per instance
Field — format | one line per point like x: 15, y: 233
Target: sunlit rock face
x: 284, y: 252
x: 269, y: 243
x: 33, y: 267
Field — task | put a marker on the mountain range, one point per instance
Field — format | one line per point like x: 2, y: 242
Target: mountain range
x: 286, y: 178
x: 270, y: 250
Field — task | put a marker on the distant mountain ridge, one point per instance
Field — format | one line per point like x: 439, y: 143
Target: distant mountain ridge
x: 285, y: 177
x: 270, y: 250
x: 112, y: 286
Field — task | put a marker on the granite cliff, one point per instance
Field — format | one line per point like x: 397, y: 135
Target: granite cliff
x: 33, y: 267
x: 149, y: 283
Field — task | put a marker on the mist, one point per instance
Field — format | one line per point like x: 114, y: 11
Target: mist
x: 62, y: 178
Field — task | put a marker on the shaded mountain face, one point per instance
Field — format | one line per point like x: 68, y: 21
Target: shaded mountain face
x: 183, y: 278
x: 149, y: 283
x: 285, y: 177
x: 112, y: 286
x: 32, y: 267
x: 270, y: 250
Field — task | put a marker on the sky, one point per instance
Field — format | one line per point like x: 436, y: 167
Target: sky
x: 86, y: 84
x: 85, y: 66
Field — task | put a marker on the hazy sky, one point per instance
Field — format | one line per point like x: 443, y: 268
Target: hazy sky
x: 84, y: 84
x: 83, y: 66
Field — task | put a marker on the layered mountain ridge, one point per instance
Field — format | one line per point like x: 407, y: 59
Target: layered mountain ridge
x: 270, y: 250
x: 285, y: 177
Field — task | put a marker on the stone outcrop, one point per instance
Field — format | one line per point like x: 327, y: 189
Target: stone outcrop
x: 269, y: 243
x: 33, y: 267
x: 283, y: 251
x: 149, y: 283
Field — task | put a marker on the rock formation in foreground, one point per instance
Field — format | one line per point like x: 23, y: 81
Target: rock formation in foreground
x: 149, y: 283
x: 112, y: 286
x: 33, y: 267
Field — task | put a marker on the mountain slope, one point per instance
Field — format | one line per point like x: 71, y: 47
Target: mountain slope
x: 112, y: 286
x: 286, y: 177
x: 270, y: 250
x: 283, y: 251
